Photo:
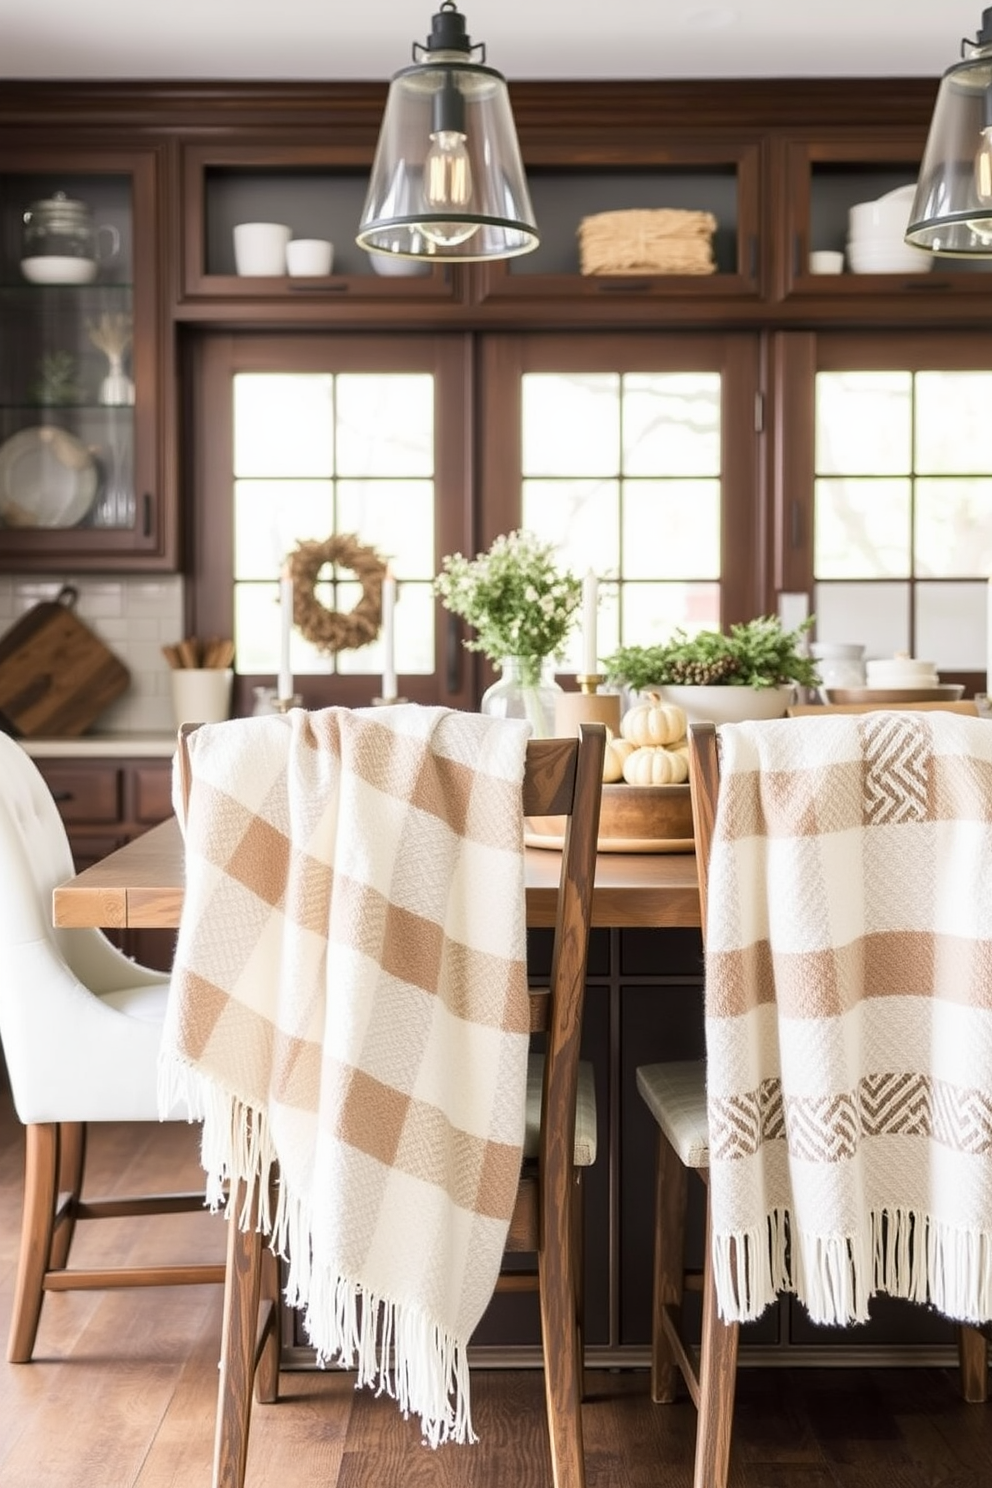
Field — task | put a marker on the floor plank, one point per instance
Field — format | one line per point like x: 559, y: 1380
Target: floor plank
x: 123, y: 1388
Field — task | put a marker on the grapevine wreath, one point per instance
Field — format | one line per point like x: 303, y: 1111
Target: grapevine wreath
x: 326, y: 629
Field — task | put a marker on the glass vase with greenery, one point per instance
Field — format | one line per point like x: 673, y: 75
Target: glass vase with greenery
x: 521, y: 606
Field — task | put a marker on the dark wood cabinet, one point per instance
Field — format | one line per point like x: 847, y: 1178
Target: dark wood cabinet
x: 86, y: 406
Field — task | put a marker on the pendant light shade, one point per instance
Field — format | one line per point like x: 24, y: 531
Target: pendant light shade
x: 952, y: 209
x: 448, y: 182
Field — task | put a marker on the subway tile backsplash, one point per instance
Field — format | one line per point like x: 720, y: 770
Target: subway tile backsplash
x: 134, y: 616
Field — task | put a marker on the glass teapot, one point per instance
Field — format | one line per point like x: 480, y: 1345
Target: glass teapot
x: 62, y: 229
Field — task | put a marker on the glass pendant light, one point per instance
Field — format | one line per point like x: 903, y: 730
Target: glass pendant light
x: 952, y: 209
x: 448, y: 182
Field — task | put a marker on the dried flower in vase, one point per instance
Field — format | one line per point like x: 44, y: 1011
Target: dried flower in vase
x: 112, y: 334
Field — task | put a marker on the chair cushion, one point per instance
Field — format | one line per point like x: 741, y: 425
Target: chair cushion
x: 585, y: 1112
x: 676, y: 1097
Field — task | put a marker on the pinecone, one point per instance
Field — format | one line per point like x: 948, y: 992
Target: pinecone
x: 702, y: 673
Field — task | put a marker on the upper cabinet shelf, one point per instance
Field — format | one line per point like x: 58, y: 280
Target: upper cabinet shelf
x: 816, y: 183
x: 722, y: 180
x: 317, y: 192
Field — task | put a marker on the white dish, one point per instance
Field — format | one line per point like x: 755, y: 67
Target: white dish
x: 392, y: 266
x: 889, y: 261
x: 48, y: 478
x: 55, y: 269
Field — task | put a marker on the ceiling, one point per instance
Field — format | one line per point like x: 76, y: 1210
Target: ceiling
x: 554, y: 39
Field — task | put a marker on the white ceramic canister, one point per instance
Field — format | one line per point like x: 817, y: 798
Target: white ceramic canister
x: 840, y: 664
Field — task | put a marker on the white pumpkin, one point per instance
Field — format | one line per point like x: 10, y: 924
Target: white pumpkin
x: 653, y: 722
x: 616, y: 753
x: 653, y: 764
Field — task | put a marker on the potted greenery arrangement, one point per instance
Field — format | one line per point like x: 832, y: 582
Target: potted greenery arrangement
x: 750, y: 672
x: 522, y: 607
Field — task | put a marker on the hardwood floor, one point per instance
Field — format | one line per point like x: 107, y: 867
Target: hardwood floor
x: 121, y: 1393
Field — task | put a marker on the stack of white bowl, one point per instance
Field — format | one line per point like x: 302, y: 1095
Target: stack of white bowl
x: 876, y: 236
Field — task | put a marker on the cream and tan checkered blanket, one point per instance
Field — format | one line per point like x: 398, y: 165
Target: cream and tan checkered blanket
x: 849, y: 1014
x: 349, y: 1001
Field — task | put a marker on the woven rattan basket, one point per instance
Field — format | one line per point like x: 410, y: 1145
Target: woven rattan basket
x: 662, y: 240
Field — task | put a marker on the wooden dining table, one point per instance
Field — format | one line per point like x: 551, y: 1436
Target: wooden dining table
x: 141, y: 885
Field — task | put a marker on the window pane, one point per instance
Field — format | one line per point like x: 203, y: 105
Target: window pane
x: 271, y: 517
x: 671, y: 529
x: 283, y: 424
x: 571, y: 423
x: 606, y: 460
x: 385, y: 424
x: 864, y: 423
x: 954, y: 528
x: 394, y: 517
x: 951, y: 625
x: 287, y: 426
x: 671, y: 424
x: 872, y: 615
x: 581, y: 518
x: 862, y: 529
x: 953, y: 424
x: 651, y: 612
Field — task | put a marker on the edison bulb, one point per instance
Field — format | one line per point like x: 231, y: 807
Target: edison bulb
x: 447, y: 187
x: 983, y: 168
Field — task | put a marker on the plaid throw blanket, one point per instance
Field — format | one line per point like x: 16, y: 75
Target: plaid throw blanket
x: 349, y: 1003
x: 849, y: 1014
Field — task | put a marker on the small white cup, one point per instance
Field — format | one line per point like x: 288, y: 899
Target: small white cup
x: 260, y: 248
x: 309, y: 257
x: 826, y: 261
x: 201, y: 694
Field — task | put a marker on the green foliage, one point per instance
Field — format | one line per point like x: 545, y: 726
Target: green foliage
x: 514, y: 597
x: 756, y: 654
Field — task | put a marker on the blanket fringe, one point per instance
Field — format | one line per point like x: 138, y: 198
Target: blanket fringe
x: 396, y: 1349
x: 906, y: 1254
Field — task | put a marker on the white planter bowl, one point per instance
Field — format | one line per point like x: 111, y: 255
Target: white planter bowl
x: 728, y: 704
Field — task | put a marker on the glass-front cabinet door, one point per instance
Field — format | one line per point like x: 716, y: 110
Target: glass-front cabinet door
x: 81, y: 385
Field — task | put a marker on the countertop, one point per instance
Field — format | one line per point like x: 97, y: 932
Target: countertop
x: 103, y: 746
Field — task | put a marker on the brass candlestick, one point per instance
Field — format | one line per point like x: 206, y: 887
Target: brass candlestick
x: 589, y: 681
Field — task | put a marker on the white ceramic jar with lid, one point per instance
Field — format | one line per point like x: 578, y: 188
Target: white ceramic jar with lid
x: 839, y: 663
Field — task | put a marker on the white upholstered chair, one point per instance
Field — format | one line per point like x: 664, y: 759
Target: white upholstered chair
x: 80, y: 1026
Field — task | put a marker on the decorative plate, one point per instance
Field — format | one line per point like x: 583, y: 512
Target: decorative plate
x: 48, y: 478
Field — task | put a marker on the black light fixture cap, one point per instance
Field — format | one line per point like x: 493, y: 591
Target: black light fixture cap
x: 984, y: 37
x: 448, y: 33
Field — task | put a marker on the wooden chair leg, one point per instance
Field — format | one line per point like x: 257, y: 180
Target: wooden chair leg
x: 562, y: 1362
x: 72, y: 1163
x: 242, y: 1289
x: 717, y: 1382
x: 267, y: 1372
x: 579, y: 1269
x: 40, y: 1179
x: 973, y: 1359
x: 671, y: 1185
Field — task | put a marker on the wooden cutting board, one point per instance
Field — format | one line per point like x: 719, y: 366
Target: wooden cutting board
x: 56, y: 676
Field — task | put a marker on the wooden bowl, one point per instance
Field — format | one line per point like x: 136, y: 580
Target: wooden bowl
x: 633, y: 818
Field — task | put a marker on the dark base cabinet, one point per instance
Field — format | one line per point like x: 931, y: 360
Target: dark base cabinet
x: 643, y: 1004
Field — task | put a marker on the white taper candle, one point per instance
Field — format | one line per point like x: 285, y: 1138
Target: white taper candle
x: 590, y: 606
x: 388, y: 637
x: 285, y: 684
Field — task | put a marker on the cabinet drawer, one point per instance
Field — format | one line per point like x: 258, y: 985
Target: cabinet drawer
x: 84, y: 795
x: 152, y: 793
